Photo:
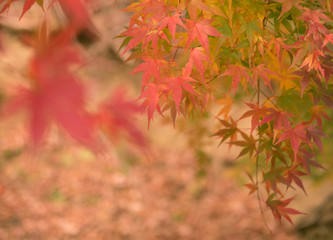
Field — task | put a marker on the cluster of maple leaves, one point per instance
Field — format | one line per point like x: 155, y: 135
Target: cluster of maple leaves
x: 57, y: 95
x: 189, y: 52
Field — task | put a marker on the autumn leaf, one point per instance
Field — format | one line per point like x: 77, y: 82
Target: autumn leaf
x: 177, y: 84
x: 152, y: 94
x: 279, y: 208
x: 150, y: 67
x: 295, y: 136
x: 76, y: 11
x: 256, y: 113
x: 252, y: 186
x: 281, y: 119
x: 170, y: 22
x: 200, y: 30
x: 238, y: 73
x: 59, y: 101
x: 264, y: 73
x: 197, y: 57
x: 292, y: 175
x: 117, y: 115
x: 229, y: 130
x: 27, y: 5
x: 227, y: 102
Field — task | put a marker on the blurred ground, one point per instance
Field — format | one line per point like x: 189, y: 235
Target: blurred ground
x: 181, y: 190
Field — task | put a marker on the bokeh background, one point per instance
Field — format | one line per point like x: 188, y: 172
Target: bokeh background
x: 184, y: 187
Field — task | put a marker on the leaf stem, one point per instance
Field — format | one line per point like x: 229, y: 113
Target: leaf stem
x: 257, y: 164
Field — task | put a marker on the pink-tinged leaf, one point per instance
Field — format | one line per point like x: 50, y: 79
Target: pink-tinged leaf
x: 200, y: 30
x: 279, y: 209
x: 27, y: 5
x: 257, y: 112
x: 76, y: 11
x: 197, y: 58
x: 227, y: 102
x: 117, y: 116
x: 312, y: 61
x: 315, y: 135
x: 138, y: 34
x: 151, y: 67
x: 328, y: 38
x: 264, y: 73
x: 152, y: 94
x: 7, y: 4
x: 237, y: 73
x: 292, y: 175
x: 286, y: 8
x: 176, y: 84
x: 295, y: 136
x: 171, y: 22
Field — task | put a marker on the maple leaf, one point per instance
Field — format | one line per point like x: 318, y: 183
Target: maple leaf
x: 305, y: 158
x: 230, y: 130
x: 144, y: 33
x: 196, y: 57
x: 262, y: 72
x: 176, y: 84
x: 328, y: 38
x: 200, y: 30
x: 60, y: 101
x: 227, y: 102
x: 55, y: 95
x: 281, y: 119
x: 171, y: 22
x: 295, y: 135
x: 117, y: 115
x: 315, y: 134
x: 248, y: 145
x: 318, y: 113
x: 237, y: 73
x: 7, y: 4
x: 275, y: 176
x: 278, y: 45
x: 27, y: 5
x: 256, y: 113
x: 76, y: 11
x: 292, y: 175
x: 152, y: 94
x: 252, y: 186
x: 279, y: 208
x: 151, y: 67
x: 312, y: 61
x: 137, y: 33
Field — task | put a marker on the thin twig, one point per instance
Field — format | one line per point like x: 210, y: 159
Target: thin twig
x: 257, y: 164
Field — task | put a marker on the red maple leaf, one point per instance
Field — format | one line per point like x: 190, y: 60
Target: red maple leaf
x: 279, y: 208
x: 117, y: 115
x: 151, y: 94
x: 171, y: 22
x: 237, y: 73
x: 257, y: 112
x: 27, y: 5
x: 292, y: 175
x: 262, y: 72
x: 144, y: 33
x: 177, y: 84
x: 201, y: 30
x: 197, y: 57
x: 76, y: 11
x: 295, y: 136
x: 280, y: 118
x: 150, y: 67
x: 55, y: 94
